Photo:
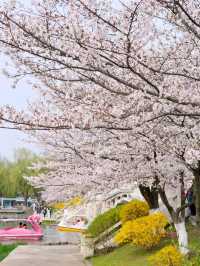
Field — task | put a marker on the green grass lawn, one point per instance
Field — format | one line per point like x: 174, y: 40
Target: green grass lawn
x: 6, y: 249
x: 48, y: 222
x: 129, y: 255
x: 194, y: 236
x: 123, y: 256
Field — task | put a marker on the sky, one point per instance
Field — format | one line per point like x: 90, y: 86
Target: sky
x: 10, y: 140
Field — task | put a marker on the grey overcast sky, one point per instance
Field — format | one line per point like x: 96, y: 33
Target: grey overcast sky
x: 11, y: 139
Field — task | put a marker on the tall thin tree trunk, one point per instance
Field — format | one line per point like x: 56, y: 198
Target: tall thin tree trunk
x: 150, y: 194
x: 182, y: 192
x: 182, y: 236
x: 179, y: 223
x: 196, y: 192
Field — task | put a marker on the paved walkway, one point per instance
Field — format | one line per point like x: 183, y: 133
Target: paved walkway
x: 44, y: 256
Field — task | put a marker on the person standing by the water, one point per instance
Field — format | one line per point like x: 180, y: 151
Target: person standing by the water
x: 44, y: 211
x: 48, y: 213
x: 34, y: 207
x: 51, y: 212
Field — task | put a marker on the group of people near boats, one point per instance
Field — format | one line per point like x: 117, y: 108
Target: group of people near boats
x: 43, y: 211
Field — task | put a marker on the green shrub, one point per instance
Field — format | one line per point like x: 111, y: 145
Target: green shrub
x: 134, y: 209
x: 104, y: 221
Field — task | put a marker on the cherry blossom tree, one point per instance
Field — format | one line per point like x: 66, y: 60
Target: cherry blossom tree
x: 121, y: 80
x: 103, y: 51
x: 103, y: 164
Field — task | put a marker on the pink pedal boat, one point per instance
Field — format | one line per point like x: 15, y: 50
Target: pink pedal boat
x: 17, y: 233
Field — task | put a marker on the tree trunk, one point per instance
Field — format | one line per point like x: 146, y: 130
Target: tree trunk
x: 196, y: 192
x: 150, y: 194
x: 179, y: 222
x: 26, y: 201
x: 182, y: 236
x: 165, y: 201
x: 183, y: 196
x: 26, y: 196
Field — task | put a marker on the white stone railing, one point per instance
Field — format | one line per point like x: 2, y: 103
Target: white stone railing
x: 89, y: 244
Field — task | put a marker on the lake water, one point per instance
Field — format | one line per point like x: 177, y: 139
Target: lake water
x: 52, y: 235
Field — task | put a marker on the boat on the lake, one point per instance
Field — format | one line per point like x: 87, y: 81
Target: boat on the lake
x: 73, y: 223
x: 30, y: 229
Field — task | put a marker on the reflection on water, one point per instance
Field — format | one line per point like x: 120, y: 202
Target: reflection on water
x: 51, y: 236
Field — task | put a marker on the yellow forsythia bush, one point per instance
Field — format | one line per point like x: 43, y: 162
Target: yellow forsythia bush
x: 145, y: 232
x: 74, y: 202
x: 167, y: 256
x: 58, y: 205
x: 134, y: 209
x: 70, y: 203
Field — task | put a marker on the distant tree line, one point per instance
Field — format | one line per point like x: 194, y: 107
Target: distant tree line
x: 13, y: 172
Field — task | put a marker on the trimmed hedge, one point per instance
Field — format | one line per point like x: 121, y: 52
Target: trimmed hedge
x: 104, y: 221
